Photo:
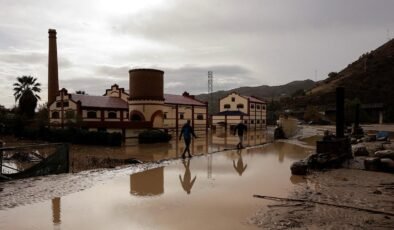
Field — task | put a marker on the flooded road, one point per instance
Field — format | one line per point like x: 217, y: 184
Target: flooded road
x: 210, y: 191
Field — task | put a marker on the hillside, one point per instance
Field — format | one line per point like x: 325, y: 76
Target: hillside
x: 369, y: 79
x: 263, y: 92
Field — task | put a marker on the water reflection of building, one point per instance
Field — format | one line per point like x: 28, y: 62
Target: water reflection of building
x: 147, y: 183
x: 227, y: 139
x: 198, y: 146
x: 286, y: 150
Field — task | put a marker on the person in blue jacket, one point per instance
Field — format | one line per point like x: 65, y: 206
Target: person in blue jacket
x: 187, y: 132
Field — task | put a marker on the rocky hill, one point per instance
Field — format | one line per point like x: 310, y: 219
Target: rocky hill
x: 370, y: 79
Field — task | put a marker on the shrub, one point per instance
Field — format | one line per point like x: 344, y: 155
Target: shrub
x: 153, y: 136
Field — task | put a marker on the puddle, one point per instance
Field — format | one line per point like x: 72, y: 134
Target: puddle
x: 211, y: 191
x: 311, y: 141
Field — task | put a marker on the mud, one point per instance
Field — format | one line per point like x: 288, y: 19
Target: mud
x: 362, y: 189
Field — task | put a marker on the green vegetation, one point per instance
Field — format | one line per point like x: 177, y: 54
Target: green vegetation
x: 26, y: 89
x: 153, y: 136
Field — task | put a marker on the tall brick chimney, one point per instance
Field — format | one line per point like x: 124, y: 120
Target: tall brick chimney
x: 53, y: 79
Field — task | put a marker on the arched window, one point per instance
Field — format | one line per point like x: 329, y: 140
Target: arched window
x: 135, y: 117
x: 227, y: 106
x: 112, y: 115
x: 240, y: 106
x: 55, y: 115
x: 92, y: 114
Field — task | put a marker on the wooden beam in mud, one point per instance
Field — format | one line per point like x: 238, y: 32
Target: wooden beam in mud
x: 323, y: 203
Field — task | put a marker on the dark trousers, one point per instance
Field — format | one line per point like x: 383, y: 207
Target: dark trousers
x: 187, y: 145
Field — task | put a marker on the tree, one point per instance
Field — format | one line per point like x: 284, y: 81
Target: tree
x: 25, y: 91
x: 332, y: 74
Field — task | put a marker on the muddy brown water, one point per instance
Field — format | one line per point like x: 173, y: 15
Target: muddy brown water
x: 208, y: 191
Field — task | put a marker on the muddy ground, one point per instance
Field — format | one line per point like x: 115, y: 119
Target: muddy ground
x: 349, y: 186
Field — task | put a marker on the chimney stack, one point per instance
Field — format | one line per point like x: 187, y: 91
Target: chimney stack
x: 53, y: 80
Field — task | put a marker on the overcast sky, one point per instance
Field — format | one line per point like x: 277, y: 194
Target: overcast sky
x: 245, y: 43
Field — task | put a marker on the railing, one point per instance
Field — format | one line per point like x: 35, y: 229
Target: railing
x: 38, y: 160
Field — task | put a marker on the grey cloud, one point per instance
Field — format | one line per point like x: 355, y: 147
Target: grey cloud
x: 113, y: 71
x: 228, y: 19
x: 194, y: 79
x: 189, y: 78
x: 24, y: 57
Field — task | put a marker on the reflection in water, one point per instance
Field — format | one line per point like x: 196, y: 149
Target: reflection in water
x: 240, y: 168
x: 285, y: 150
x: 187, y: 183
x: 147, y: 183
x: 56, y: 210
x: 214, y: 201
x: 224, y: 138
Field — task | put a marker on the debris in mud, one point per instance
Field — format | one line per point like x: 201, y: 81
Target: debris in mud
x: 326, y: 187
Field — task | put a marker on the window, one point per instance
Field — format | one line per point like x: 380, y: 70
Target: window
x: 251, y: 121
x: 165, y: 115
x: 65, y: 104
x: 227, y: 106
x: 246, y: 121
x: 112, y: 115
x: 200, y: 117
x: 92, y: 114
x: 55, y: 115
x: 258, y: 121
x: 233, y: 99
x: 240, y: 106
x: 263, y: 107
x: 263, y: 121
x: 258, y: 107
x: 59, y: 104
x: 181, y: 116
x: 252, y: 106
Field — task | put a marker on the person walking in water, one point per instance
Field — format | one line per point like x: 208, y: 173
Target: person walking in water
x: 241, y: 128
x: 187, y: 132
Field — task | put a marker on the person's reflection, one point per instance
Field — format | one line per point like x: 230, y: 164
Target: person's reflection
x: 240, y: 168
x: 187, y: 183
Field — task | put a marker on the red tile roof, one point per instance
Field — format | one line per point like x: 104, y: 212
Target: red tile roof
x: 254, y: 99
x: 181, y: 100
x: 100, y: 101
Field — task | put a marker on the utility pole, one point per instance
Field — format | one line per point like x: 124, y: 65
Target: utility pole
x: 210, y: 111
x: 210, y: 91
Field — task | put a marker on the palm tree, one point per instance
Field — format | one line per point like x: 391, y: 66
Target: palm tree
x: 25, y: 91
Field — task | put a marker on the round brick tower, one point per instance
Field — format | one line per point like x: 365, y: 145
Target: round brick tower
x: 146, y: 96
